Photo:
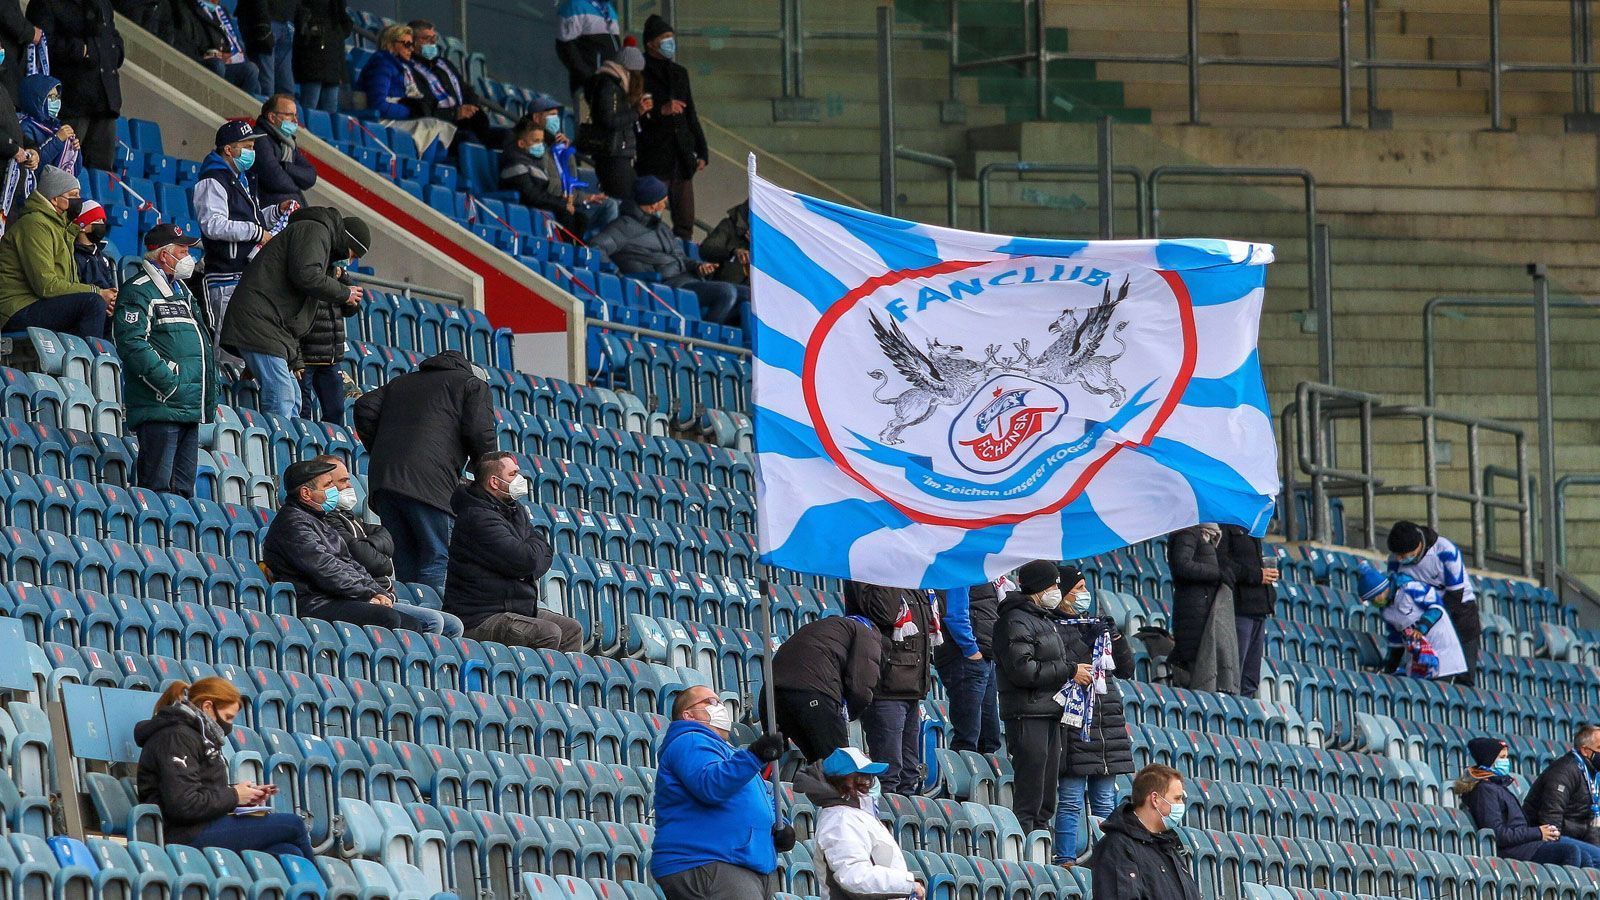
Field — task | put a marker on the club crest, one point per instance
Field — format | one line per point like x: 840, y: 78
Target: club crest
x: 1003, y: 421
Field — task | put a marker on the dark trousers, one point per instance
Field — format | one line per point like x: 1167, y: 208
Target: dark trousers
x: 243, y: 75
x: 616, y: 178
x: 81, y: 314
x: 680, y: 202
x: 277, y: 65
x: 97, y: 137
x: 1567, y: 852
x: 421, y: 536
x: 1252, y: 632
x: 364, y: 613
x: 1035, y: 746
x: 1469, y: 631
x: 719, y: 300
x: 274, y: 833
x: 813, y: 721
x: 583, y: 56
x: 548, y: 631
x: 323, y: 384
x: 894, y: 732
x: 169, y: 453
x: 714, y: 881
x: 965, y: 681
x: 989, y: 736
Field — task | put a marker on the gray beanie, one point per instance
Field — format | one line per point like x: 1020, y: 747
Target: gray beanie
x: 54, y: 182
x: 632, y: 59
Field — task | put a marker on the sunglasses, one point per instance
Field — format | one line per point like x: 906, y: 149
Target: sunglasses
x: 407, y: 44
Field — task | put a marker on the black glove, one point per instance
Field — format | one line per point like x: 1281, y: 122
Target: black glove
x: 783, y: 838
x: 768, y: 747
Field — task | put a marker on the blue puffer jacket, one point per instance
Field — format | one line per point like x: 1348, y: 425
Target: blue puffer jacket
x: 711, y: 804
x: 383, y: 80
x: 38, y: 125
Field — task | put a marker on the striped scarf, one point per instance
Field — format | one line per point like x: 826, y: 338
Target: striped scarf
x: 447, y: 97
x: 1078, y: 701
x: 39, y: 57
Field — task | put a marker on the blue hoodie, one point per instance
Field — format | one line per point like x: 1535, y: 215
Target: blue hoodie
x: 711, y: 804
x: 37, y: 123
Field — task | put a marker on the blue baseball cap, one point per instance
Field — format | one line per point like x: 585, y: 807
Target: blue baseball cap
x: 850, y: 761
x: 542, y: 103
x: 237, y: 130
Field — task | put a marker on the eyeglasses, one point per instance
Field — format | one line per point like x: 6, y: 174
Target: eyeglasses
x: 406, y: 44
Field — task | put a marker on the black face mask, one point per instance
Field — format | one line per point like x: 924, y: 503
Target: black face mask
x: 97, y: 231
x: 74, y: 206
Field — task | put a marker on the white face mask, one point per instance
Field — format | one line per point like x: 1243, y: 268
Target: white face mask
x: 347, y: 499
x: 183, y: 268
x: 1050, y: 599
x: 518, y: 488
x: 719, y: 716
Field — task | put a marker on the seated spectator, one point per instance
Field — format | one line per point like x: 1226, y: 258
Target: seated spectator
x: 96, y: 258
x: 268, y: 27
x: 527, y: 167
x: 454, y: 100
x: 282, y: 172
x: 85, y: 53
x: 616, y: 99
x: 856, y: 855
x: 496, y: 560
x: 39, y: 116
x: 207, y: 33
x: 586, y: 36
x: 233, y: 220
x: 169, y: 366
x: 825, y: 675
x: 1140, y: 857
x: 1565, y: 795
x: 640, y: 243
x: 728, y: 245
x: 306, y: 548
x: 39, y: 284
x: 396, y: 93
x: 1485, y: 792
x: 319, y: 32
x: 1422, y: 641
x: 183, y: 770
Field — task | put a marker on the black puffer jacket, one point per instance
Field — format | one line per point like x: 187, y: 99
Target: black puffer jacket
x: 907, y: 669
x: 835, y: 656
x: 1198, y: 568
x: 423, y: 427
x: 324, y: 344
x: 1031, y: 660
x: 178, y: 775
x: 370, y: 544
x: 496, y: 559
x: 304, y: 548
x: 613, y: 126
x: 1251, y: 595
x: 983, y: 605
x: 320, y: 28
x: 1130, y: 863
x: 1560, y: 797
x: 85, y: 53
x: 1109, y: 749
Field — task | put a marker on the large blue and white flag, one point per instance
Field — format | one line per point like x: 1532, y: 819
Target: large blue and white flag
x: 935, y: 407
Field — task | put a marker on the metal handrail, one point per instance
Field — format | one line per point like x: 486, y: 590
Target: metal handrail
x: 407, y: 289
x: 941, y: 162
x: 1429, y: 350
x: 1026, y: 168
x: 1562, y: 483
x: 684, y: 339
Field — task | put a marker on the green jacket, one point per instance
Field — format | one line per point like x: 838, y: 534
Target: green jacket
x: 169, y: 373
x: 36, y: 259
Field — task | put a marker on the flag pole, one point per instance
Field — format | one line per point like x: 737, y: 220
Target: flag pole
x: 769, y: 712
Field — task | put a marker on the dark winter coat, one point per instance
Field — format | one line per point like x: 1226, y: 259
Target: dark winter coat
x: 638, y: 242
x: 154, y: 16
x: 176, y: 774
x: 537, y: 181
x: 304, y: 548
x: 369, y: 544
x: 1031, y: 659
x: 732, y: 233
x: 1560, y: 797
x: 286, y: 284
x: 1198, y: 569
x: 423, y: 427
x: 496, y: 559
x: 907, y: 670
x: 1130, y: 863
x: 1251, y: 595
x: 1492, y: 805
x: 324, y: 344
x: 85, y: 53
x: 1109, y: 749
x: 254, y: 19
x: 94, y: 265
x: 670, y: 147
x: 281, y: 171
x: 193, y: 32
x: 16, y: 33
x: 835, y: 656
x: 984, y: 607
x: 456, y: 90
x: 613, y: 122
x: 319, y: 32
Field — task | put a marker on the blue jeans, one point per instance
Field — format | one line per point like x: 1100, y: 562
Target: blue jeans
x: 989, y: 733
x: 243, y: 75
x: 169, y: 452
x: 277, y: 67
x: 323, y: 386
x: 965, y: 681
x: 719, y: 300
x: 1070, y: 791
x: 1567, y: 852
x: 280, y: 393
x: 432, y: 621
x: 276, y: 833
x: 320, y: 95
x: 421, y: 536
x: 894, y: 737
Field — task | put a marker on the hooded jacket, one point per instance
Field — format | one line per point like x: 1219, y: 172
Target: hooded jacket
x: 37, y: 125
x: 369, y: 544
x: 423, y: 427
x: 835, y: 656
x: 1031, y: 659
x: 1109, y: 749
x: 304, y: 548
x: 1560, y: 797
x: 711, y: 804
x: 85, y: 53
x: 36, y: 259
x: 1492, y: 805
x: 281, y: 171
x: 179, y: 775
x: 496, y: 558
x: 288, y: 281
x: 855, y: 856
x: 325, y: 343
x: 169, y: 369
x: 907, y: 669
x: 1130, y: 863
x: 95, y: 265
x: 670, y: 147
x: 1198, y: 569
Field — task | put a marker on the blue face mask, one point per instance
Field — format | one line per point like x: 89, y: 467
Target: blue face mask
x: 536, y: 151
x: 552, y: 125
x: 1501, y: 767
x: 2, y: 54
x: 53, y: 108
x: 668, y: 47
x: 1174, y: 818
x: 289, y: 128
x: 247, y: 158
x: 330, y: 499
x: 430, y: 51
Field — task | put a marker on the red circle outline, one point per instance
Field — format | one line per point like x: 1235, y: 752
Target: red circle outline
x: 844, y: 304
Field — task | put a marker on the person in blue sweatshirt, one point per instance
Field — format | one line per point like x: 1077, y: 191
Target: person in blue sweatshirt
x: 715, y: 832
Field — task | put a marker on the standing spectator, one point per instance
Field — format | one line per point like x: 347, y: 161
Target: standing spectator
x: 964, y: 670
x: 233, y: 220
x: 909, y: 626
x: 454, y: 100
x: 85, y: 53
x: 1435, y: 561
x: 281, y: 171
x: 40, y: 120
x: 1031, y: 660
x: 1095, y: 753
x: 496, y: 560
x: 715, y: 835
x: 825, y: 675
x: 280, y: 294
x: 1422, y: 640
x: 210, y: 34
x: 672, y: 147
x: 321, y: 352
x: 641, y: 244
x: 1206, y: 655
x: 1485, y: 792
x: 269, y: 29
x: 1255, y: 599
x: 39, y: 284
x: 16, y: 35
x: 728, y: 245
x: 1566, y: 795
x: 1140, y: 856
x: 421, y: 429
x: 616, y: 98
x: 586, y: 37
x: 320, y: 29
x: 154, y: 16
x: 96, y: 258
x: 983, y: 604
x: 395, y: 93
x: 856, y: 854
x: 169, y: 367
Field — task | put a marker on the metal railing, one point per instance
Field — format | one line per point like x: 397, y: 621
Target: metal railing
x: 1430, y: 378
x: 1031, y: 168
x: 686, y: 340
x: 1572, y: 479
x: 407, y: 289
x: 939, y: 162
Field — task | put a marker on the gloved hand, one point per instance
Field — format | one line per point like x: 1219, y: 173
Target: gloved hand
x: 783, y: 837
x: 768, y: 747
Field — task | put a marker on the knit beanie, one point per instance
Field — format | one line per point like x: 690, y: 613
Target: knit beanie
x: 1484, y: 751
x: 1038, y: 576
x: 53, y: 182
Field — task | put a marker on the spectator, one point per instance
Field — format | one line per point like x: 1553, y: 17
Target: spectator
x: 728, y: 245
x: 281, y: 171
x: 96, y: 266
x: 496, y: 560
x: 319, y: 32
x: 269, y: 39
x: 169, y: 367
x: 527, y: 167
x: 909, y: 627
x: 234, y: 222
x: 21, y: 173
x: 983, y: 605
x: 454, y: 100
x: 1566, y: 795
x: 1435, y: 561
x: 672, y: 147
x: 321, y: 353
x: 1206, y: 655
x: 715, y: 834
x: 586, y: 37
x: 964, y: 669
x: 210, y: 35
x: 1485, y: 791
x: 616, y: 99
x: 282, y: 291
x: 1422, y: 640
x: 306, y: 548
x: 1255, y: 598
x: 641, y: 244
x: 39, y: 284
x: 1031, y: 660
x: 85, y: 53
x: 40, y: 122
x: 16, y: 35
x: 825, y: 674
x: 1096, y: 747
x: 856, y: 855
x: 1140, y: 856
x: 154, y: 16
x: 395, y: 92
x: 421, y: 429
x: 183, y: 770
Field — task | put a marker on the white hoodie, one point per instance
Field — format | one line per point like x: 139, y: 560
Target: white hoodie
x: 861, y: 853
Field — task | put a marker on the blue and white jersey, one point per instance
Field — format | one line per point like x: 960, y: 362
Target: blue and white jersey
x: 584, y: 17
x: 1408, y: 606
x: 1442, y: 568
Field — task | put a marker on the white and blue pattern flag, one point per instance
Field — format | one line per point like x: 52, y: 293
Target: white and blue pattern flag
x: 935, y: 407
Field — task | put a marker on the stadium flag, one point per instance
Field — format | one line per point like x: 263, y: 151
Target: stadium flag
x: 934, y: 407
